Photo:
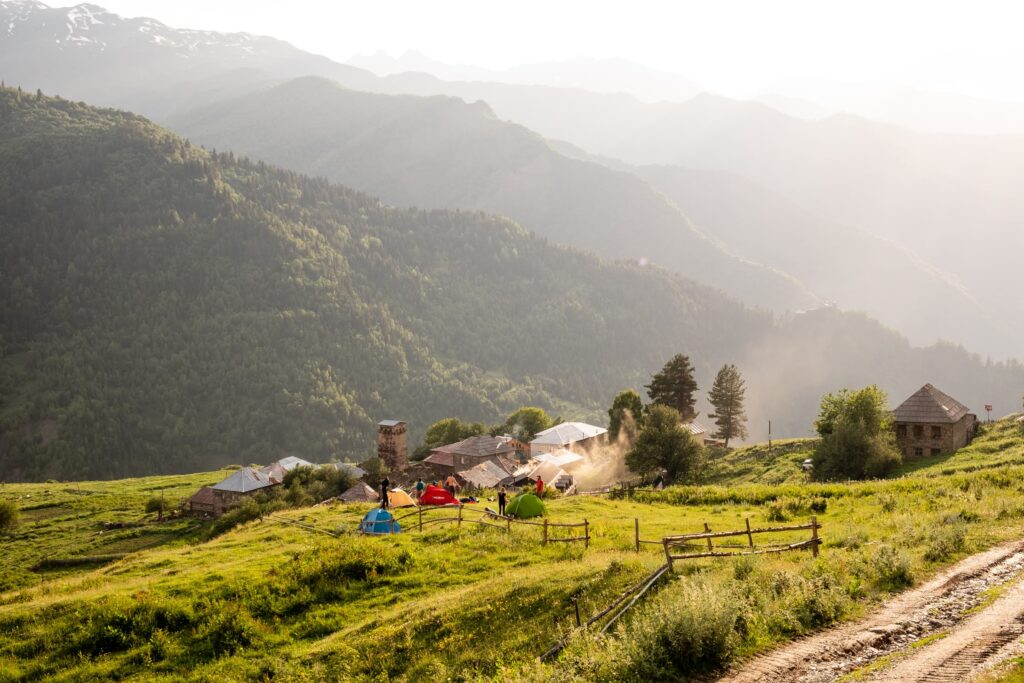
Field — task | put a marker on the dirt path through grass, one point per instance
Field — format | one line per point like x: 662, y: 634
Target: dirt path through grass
x: 910, y: 630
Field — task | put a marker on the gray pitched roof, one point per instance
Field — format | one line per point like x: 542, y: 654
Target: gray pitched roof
x: 360, y: 493
x: 390, y: 423
x: 245, y: 480
x: 567, y: 433
x: 485, y: 474
x: 478, y: 446
x: 928, y: 404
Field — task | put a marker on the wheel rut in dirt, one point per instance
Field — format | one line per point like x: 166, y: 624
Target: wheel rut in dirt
x: 941, y: 604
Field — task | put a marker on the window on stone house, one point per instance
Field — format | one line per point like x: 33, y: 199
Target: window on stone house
x: 936, y: 451
x: 918, y: 451
x: 936, y: 432
x: 901, y: 431
x: 918, y: 431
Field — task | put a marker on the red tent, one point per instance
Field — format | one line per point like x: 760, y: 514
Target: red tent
x: 435, y: 495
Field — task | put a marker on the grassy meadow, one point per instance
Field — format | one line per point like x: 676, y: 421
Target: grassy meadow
x: 272, y: 600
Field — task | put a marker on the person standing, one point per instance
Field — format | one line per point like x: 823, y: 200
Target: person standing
x: 540, y: 486
x: 385, y: 484
x: 502, y: 495
x: 451, y: 485
x: 419, y: 488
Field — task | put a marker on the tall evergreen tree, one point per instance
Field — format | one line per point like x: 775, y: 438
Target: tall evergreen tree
x: 626, y: 414
x: 674, y: 386
x: 726, y: 396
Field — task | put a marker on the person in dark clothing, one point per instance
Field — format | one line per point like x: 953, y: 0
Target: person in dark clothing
x: 659, y: 482
x: 501, y: 501
x: 384, y: 486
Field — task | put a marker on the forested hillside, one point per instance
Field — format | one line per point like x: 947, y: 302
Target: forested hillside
x: 168, y: 309
x: 439, y: 152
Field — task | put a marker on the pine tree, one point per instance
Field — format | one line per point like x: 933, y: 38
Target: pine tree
x: 674, y: 386
x: 726, y: 396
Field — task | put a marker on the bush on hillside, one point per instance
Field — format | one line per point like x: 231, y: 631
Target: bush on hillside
x: 9, y: 516
x: 856, y: 437
x: 891, y: 568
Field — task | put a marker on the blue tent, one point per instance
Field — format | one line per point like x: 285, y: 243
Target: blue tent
x: 379, y: 521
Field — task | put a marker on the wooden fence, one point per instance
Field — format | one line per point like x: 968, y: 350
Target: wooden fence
x: 708, y: 536
x: 492, y: 519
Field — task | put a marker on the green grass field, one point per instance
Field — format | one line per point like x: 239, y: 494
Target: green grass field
x: 274, y: 601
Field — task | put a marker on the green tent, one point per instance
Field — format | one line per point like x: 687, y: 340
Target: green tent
x: 525, y: 505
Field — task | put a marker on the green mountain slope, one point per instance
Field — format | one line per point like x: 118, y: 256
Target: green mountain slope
x: 440, y: 152
x: 166, y: 309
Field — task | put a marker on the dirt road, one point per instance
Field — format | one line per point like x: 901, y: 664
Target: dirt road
x: 944, y: 605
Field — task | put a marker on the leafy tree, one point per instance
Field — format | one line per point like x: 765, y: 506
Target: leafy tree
x: 674, y: 386
x: 626, y: 414
x: 525, y: 423
x: 376, y: 470
x: 9, y: 516
x: 663, y: 444
x: 726, y: 396
x: 446, y: 431
x: 857, y: 440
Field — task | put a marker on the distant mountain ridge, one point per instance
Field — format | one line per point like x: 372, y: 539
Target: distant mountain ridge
x: 170, y: 308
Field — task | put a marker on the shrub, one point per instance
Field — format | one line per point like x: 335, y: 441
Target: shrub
x: 155, y: 504
x: 359, y: 562
x: 776, y: 512
x: 891, y: 568
x: 9, y: 516
x: 686, y: 629
x: 226, y: 628
x: 945, y: 542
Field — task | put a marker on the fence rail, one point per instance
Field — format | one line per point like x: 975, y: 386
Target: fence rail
x: 489, y: 517
x: 682, y: 540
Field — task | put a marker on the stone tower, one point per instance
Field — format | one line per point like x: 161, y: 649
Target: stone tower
x: 391, y: 444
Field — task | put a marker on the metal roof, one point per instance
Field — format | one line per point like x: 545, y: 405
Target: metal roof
x: 245, y: 480
x: 567, y: 433
x: 390, y: 423
x: 928, y: 404
x: 486, y: 474
x: 695, y: 428
x: 478, y: 446
x: 560, y: 457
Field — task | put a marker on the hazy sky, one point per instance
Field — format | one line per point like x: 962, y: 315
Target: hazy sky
x: 736, y: 47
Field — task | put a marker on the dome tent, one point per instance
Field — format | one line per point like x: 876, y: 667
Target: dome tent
x: 525, y: 505
x: 397, y: 498
x: 435, y: 495
x: 379, y: 521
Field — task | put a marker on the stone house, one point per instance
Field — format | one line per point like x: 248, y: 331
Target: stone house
x: 463, y: 455
x: 931, y: 422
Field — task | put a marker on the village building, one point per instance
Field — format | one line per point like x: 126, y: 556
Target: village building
x: 392, y: 448
x: 931, y: 422
x: 698, y: 431
x: 360, y: 493
x: 202, y: 503
x: 277, y: 470
x: 486, y: 475
x: 578, y: 437
x: 245, y: 482
x: 470, y: 452
x: 562, y: 457
x: 522, y: 447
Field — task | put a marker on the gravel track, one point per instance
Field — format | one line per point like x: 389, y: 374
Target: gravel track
x: 938, y: 606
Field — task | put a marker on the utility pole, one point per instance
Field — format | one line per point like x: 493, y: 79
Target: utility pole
x: 769, y: 438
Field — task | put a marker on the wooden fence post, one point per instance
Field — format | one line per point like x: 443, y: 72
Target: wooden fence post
x: 586, y: 537
x: 508, y: 525
x: 576, y: 604
x: 750, y: 536
x: 814, y: 536
x: 545, y: 531
x: 668, y: 554
x: 707, y: 530
x: 421, y: 518
x: 460, y: 518
x: 636, y: 532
